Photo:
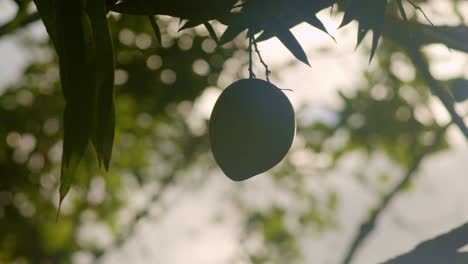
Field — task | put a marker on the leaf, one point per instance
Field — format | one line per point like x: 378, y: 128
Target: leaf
x: 212, y: 32
x: 236, y: 25
x: 201, y: 10
x: 77, y: 73
x: 103, y: 135
x: 191, y: 24
x: 459, y: 89
x: 370, y: 15
x: 157, y: 31
x: 402, y: 10
x: 289, y: 41
x: 315, y: 22
x: 441, y: 249
x: 48, y: 11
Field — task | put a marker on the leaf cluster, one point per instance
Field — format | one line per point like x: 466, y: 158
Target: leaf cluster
x: 80, y: 34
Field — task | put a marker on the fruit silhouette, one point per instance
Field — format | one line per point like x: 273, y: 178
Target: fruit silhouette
x: 251, y: 129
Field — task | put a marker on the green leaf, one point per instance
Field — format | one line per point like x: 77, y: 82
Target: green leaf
x: 289, y: 41
x: 103, y: 135
x: 48, y: 11
x: 157, y: 31
x: 75, y: 47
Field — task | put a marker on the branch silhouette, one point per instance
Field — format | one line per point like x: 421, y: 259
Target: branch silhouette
x: 367, y: 227
x: 167, y: 181
x: 6, y: 29
x: 441, y: 249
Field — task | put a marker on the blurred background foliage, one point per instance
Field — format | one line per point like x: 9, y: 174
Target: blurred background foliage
x: 161, y: 144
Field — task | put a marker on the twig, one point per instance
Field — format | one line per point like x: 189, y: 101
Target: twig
x: 369, y: 226
x: 420, y: 10
x: 437, y: 88
x: 412, y: 47
x: 267, y: 71
x: 251, y: 73
x: 143, y: 213
x: 167, y: 181
x: 6, y: 29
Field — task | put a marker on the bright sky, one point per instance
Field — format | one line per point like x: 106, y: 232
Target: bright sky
x: 174, y: 238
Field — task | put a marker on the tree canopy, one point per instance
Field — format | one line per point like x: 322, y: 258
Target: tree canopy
x: 98, y: 60
x: 83, y: 43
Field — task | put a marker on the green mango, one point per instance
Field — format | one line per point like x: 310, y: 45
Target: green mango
x: 251, y: 128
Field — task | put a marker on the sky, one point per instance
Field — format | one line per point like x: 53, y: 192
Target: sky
x: 437, y: 203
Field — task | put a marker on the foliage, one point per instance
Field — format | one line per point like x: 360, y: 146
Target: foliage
x: 155, y: 143
x: 83, y: 43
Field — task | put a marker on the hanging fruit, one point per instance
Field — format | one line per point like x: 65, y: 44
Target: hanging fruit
x: 252, y: 127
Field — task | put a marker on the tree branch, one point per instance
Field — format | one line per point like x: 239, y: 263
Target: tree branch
x: 395, y: 31
x: 143, y: 213
x: 437, y: 88
x: 31, y: 18
x: 167, y: 181
x: 367, y: 227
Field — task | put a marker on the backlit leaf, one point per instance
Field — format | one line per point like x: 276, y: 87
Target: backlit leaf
x: 76, y: 60
x: 290, y: 42
x: 103, y: 135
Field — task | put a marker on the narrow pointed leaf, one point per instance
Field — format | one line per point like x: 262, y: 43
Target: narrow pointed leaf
x: 212, y: 32
x: 349, y: 16
x: 290, y: 42
x: 77, y: 74
x: 315, y: 22
x: 103, y: 135
x: 156, y: 29
x: 48, y: 11
x: 236, y: 25
x: 459, y: 89
x: 191, y: 24
x: 402, y: 10
x: 362, y: 32
x: 375, y: 44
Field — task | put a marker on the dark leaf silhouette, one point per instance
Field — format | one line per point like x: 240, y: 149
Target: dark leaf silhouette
x: 77, y: 73
x: 211, y: 31
x: 156, y: 29
x: 289, y: 41
x: 86, y: 61
x: 370, y: 15
x: 48, y: 11
x: 203, y: 10
x: 103, y: 135
x: 459, y: 89
x: 402, y: 10
x: 190, y: 24
x: 80, y: 33
x: 441, y: 249
x: 236, y: 24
